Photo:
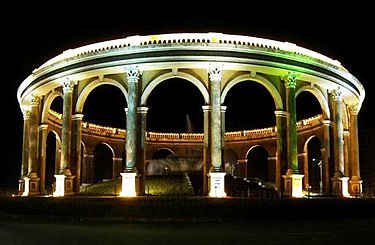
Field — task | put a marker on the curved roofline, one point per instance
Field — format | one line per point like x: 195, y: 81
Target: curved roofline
x: 210, y: 37
x: 194, y: 47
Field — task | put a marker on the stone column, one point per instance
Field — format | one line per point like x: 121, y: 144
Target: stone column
x: 222, y: 112
x: 43, y: 130
x: 32, y: 179
x: 293, y: 180
x: 25, y: 151
x: 76, y: 149
x: 281, y: 153
x: 326, y: 156
x: 339, y: 181
x: 355, y: 180
x: 129, y: 176
x: 64, y: 178
x: 206, y: 147
x: 216, y: 173
x: 141, y: 168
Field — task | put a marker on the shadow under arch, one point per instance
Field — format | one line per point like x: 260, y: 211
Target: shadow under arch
x: 199, y: 84
x: 53, y: 148
x: 50, y: 98
x: 257, y: 166
x: 103, y: 165
x: 92, y: 85
x: 261, y: 80
x: 313, y: 165
x: 319, y: 96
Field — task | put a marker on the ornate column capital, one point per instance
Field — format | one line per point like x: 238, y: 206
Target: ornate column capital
x: 133, y: 73
x: 215, y: 71
x: 34, y: 100
x: 68, y: 85
x: 336, y: 94
x: 26, y: 114
x: 291, y: 79
x: 353, y: 109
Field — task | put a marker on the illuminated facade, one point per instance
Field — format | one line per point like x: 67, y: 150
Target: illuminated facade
x: 214, y: 63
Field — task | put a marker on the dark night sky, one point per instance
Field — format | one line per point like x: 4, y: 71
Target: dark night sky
x: 33, y: 34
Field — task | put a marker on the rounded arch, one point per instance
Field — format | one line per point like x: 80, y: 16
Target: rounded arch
x: 162, y: 153
x: 267, y: 84
x: 103, y: 162
x: 257, y: 163
x: 183, y: 75
x: 319, y: 96
x: 231, y: 161
x: 53, y: 146
x: 47, y: 104
x: 91, y: 86
x: 313, y: 165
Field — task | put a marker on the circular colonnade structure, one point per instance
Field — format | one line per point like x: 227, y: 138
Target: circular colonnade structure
x: 213, y: 63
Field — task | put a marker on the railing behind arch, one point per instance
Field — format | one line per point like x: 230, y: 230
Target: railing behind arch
x: 95, y: 129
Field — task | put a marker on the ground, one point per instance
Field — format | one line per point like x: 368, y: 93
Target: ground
x: 185, y: 220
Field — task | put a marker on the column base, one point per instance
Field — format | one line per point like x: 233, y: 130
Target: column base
x: 31, y: 185
x: 293, y: 185
x: 340, y: 186
x: 21, y: 186
x: 128, y: 185
x: 355, y: 184
x: 216, y: 184
x: 59, y: 185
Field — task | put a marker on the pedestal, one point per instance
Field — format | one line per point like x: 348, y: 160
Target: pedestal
x: 59, y: 185
x: 31, y: 185
x: 355, y: 184
x: 21, y: 186
x: 217, y: 185
x: 128, y: 185
x: 297, y: 190
x: 340, y: 186
x: 69, y: 185
x: 293, y: 185
x: 287, y: 185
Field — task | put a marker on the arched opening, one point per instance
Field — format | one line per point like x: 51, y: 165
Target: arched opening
x: 103, y: 163
x: 57, y: 104
x: 315, y: 165
x: 249, y: 106
x: 105, y: 105
x: 257, y: 164
x: 159, y: 164
x: 175, y: 105
x: 307, y: 105
x: 231, y: 162
x: 51, y: 163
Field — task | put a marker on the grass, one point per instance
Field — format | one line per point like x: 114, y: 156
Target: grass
x: 156, y: 185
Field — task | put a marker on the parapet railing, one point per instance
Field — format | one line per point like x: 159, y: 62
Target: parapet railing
x: 94, y: 129
x: 191, y: 38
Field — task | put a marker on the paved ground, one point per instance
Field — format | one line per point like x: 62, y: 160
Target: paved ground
x: 21, y: 231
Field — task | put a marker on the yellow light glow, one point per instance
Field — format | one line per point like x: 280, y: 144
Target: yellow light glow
x: 27, y: 186
x: 217, y: 184
x: 345, y: 188
x: 128, y: 185
x: 60, y: 185
x: 297, y: 185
